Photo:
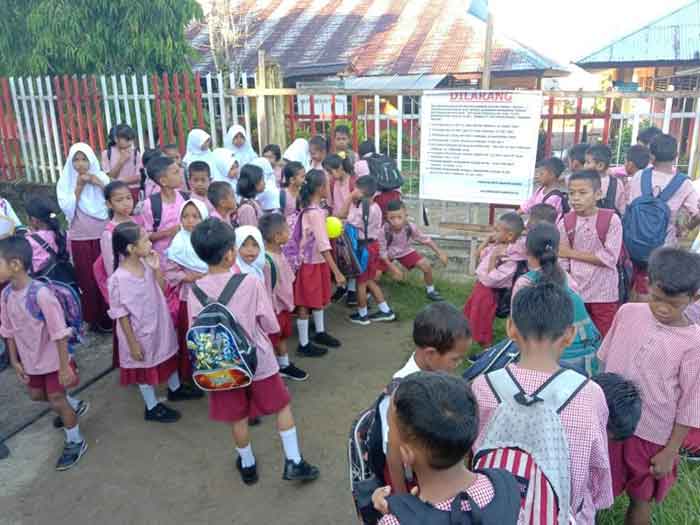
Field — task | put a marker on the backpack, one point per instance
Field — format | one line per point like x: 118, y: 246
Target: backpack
x: 57, y: 268
x: 384, y: 170
x: 608, y: 202
x: 646, y: 219
x: 352, y: 256
x: 244, y: 202
x: 157, y: 207
x: 503, y: 509
x: 223, y: 356
x: 292, y: 250
x: 602, y: 225
x: 498, y: 356
x: 565, y: 207
x: 527, y: 430
x: 503, y: 295
x: 273, y: 270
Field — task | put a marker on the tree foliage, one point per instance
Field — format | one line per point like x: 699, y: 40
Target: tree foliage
x: 50, y: 37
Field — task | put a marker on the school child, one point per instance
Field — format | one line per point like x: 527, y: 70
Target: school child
x: 383, y: 197
x: 312, y: 287
x: 541, y: 324
x: 371, y: 231
x: 343, y: 181
x: 293, y: 176
x: 45, y: 234
x: 279, y: 280
x: 548, y: 177
x: 225, y: 167
x: 269, y: 199
x: 121, y: 205
x: 161, y: 211
x: 7, y: 210
x: 318, y: 151
x: 145, y: 331
x: 182, y: 268
x: 435, y: 420
x: 590, y: 248
x: 223, y: 200
x: 173, y: 152
x: 398, y: 235
x: 214, y: 242
x: 199, y: 177
x: 540, y: 213
x: 237, y: 141
x: 298, y: 151
x: 613, y: 191
x: 147, y: 186
x: 341, y: 143
x: 498, y: 264
x: 122, y: 159
x: 576, y: 157
x: 637, y: 158
x: 38, y: 344
x: 199, y: 148
x: 250, y: 184
x: 658, y: 348
x: 647, y: 135
x: 273, y: 154
x: 80, y: 192
x: 250, y: 252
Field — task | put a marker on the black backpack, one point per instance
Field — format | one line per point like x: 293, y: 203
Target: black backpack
x: 223, y: 355
x: 504, y: 295
x: 157, y: 207
x: 608, y: 202
x: 503, y: 509
x: 57, y: 268
x: 565, y: 207
x: 385, y: 171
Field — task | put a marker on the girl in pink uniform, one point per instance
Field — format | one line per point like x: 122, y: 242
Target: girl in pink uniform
x: 45, y: 236
x: 294, y: 176
x: 250, y: 184
x: 122, y: 158
x: 145, y: 331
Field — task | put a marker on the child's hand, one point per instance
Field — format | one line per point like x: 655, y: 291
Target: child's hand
x: 340, y: 279
x: 84, y: 178
x: 136, y: 352
x: 191, y: 277
x: 662, y: 463
x: 66, y: 376
x: 379, y: 499
x: 124, y: 155
x: 443, y: 258
x: 395, y: 272
x: 21, y: 374
x: 153, y: 260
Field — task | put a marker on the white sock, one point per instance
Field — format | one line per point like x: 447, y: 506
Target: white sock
x: 303, y: 328
x: 149, y: 396
x: 290, y: 443
x: 352, y: 285
x: 283, y: 361
x: 73, y: 435
x: 318, y: 321
x: 73, y: 402
x: 174, y: 381
x: 247, y: 457
x: 430, y: 288
x: 384, y: 308
x: 362, y: 310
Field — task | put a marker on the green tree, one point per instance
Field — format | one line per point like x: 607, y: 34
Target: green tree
x: 41, y: 37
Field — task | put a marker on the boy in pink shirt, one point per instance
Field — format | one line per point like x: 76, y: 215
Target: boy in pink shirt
x: 589, y: 256
x: 656, y: 346
x: 548, y: 177
x: 223, y: 200
x: 33, y: 324
x: 613, y: 194
x: 341, y: 143
x: 214, y: 243
x: 45, y: 236
x: 122, y: 159
x: 273, y: 154
x: 199, y: 177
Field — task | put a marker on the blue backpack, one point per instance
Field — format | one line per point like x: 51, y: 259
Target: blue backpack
x: 646, y: 219
x: 352, y: 255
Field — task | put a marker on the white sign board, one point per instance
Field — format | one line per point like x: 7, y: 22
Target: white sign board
x: 479, y: 146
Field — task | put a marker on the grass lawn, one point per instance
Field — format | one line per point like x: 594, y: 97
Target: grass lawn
x: 682, y: 506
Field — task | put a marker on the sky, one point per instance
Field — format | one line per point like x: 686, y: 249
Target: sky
x: 567, y: 30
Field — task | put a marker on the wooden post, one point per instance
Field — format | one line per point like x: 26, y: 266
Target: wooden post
x: 270, y: 109
x: 488, y: 46
x: 260, y: 83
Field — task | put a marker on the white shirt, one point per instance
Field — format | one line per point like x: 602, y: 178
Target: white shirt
x: 409, y: 368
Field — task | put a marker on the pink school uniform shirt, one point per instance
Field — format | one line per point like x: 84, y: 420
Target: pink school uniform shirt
x: 249, y: 213
x: 524, y: 281
x: 278, y: 176
x: 361, y: 168
x: 585, y: 421
x: 253, y: 310
x: 170, y: 217
x: 597, y: 284
x: 35, y: 339
x: 620, y: 196
x: 83, y: 227
x: 502, y: 275
x: 663, y: 361
x: 290, y: 205
x: 401, y: 240
x: 686, y: 198
x: 210, y: 207
x: 283, y: 294
x: 340, y: 193
x: 142, y: 300
x: 131, y: 170
x: 313, y: 230
x: 374, y: 222
x: 40, y: 256
x: 539, y: 197
x: 106, y: 247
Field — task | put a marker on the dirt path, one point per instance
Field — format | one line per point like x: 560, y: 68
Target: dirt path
x: 137, y: 472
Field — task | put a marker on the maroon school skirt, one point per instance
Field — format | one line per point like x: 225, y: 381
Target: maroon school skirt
x: 312, y: 287
x: 156, y: 375
x: 184, y: 364
x: 85, y: 253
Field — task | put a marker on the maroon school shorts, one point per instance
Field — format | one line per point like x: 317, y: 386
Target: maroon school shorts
x: 49, y: 383
x: 261, y: 398
x: 284, y: 319
x: 410, y: 260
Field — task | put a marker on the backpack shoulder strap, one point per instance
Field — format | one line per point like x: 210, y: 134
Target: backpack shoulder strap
x: 283, y: 199
x: 647, y: 190
x: 602, y: 223
x: 570, y: 227
x: 185, y: 195
x: 203, y: 298
x: 558, y: 391
x: 672, y: 187
x: 365, y: 216
x: 156, y: 210
x: 44, y: 245
x: 503, y: 384
x: 230, y: 288
x: 273, y: 270
x: 553, y: 193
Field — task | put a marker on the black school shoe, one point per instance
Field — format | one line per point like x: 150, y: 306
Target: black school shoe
x: 339, y: 294
x: 693, y: 456
x: 4, y: 451
x: 249, y: 475
x: 301, y: 471
x: 294, y: 373
x: 72, y: 452
x: 82, y: 409
x: 186, y: 392
x: 351, y: 298
x: 379, y: 316
x: 325, y: 339
x: 161, y: 414
x: 311, y: 350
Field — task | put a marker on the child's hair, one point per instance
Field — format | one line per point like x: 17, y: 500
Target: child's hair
x: 367, y: 185
x: 17, y: 247
x: 543, y: 213
x: 513, y: 221
x: 114, y: 186
x: 664, y: 148
x: 147, y: 156
x: 577, y: 152
x: 600, y: 153
x: 624, y: 404
x: 290, y: 171
x: 542, y: 312
x: 274, y: 149
x: 315, y: 180
x: 342, y: 128
x: 639, y: 156
x: 169, y: 146
x: 200, y: 167
x: 123, y: 235
x: 439, y: 413
x: 320, y: 142
x: 248, y: 179
x: 334, y: 162
x: 646, y: 135
x: 439, y: 326
x: 554, y: 165
x: 120, y: 131
x: 212, y: 239
x: 271, y: 224
x: 366, y: 147
x: 395, y: 205
x: 218, y: 191
x: 591, y: 176
x: 157, y: 166
x: 675, y: 271
x: 43, y: 209
x: 543, y: 244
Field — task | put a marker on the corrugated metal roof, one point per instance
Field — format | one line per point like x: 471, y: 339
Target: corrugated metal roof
x: 371, y: 37
x: 674, y: 37
x: 397, y: 82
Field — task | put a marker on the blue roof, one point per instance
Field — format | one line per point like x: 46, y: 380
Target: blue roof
x: 674, y: 37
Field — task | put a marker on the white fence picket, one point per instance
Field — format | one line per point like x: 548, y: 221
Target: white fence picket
x: 149, y: 121
x: 115, y: 98
x: 54, y: 129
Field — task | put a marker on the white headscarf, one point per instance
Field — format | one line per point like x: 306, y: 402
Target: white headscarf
x: 269, y: 199
x: 258, y: 266
x: 92, y: 199
x: 299, y: 151
x: 224, y: 160
x: 180, y: 250
x: 245, y: 153
x: 195, y: 139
